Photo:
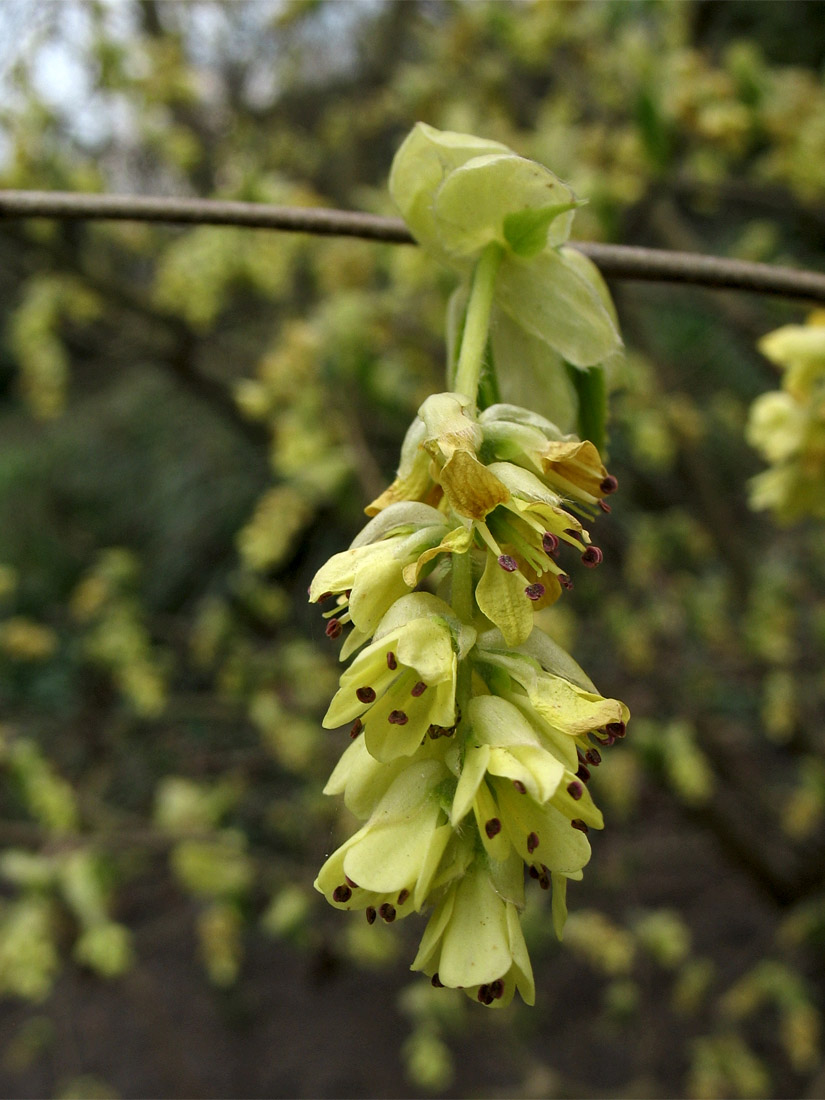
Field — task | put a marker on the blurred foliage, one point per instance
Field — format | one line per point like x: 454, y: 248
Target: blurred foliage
x: 193, y: 418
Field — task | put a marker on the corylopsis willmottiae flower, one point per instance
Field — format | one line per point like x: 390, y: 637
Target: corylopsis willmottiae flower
x: 788, y: 425
x: 473, y: 734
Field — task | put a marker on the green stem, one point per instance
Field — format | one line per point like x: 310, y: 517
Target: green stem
x: 477, y: 324
x: 462, y: 602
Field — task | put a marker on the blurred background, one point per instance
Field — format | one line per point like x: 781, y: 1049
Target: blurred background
x: 191, y: 421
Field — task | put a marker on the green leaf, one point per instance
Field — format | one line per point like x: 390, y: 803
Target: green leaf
x: 526, y: 230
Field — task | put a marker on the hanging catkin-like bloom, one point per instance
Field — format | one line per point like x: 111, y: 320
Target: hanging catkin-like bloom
x: 473, y: 734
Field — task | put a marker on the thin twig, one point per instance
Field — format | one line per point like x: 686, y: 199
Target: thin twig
x: 615, y: 261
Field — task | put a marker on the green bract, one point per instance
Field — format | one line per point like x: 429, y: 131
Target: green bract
x: 460, y: 195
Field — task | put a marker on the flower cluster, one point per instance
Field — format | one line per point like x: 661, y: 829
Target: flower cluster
x: 788, y: 425
x: 473, y: 734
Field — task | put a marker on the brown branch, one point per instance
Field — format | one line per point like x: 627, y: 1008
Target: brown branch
x: 615, y: 261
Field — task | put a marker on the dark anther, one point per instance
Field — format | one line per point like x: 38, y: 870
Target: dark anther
x: 580, y: 755
x: 549, y: 543
x: 532, y: 871
x: 605, y: 507
x: 387, y: 912
x: 616, y: 729
x: 607, y: 741
x: 565, y: 581
x: 356, y: 728
x: 324, y: 597
x: 510, y: 565
x: 418, y: 689
x: 517, y: 783
x: 392, y: 664
x: 575, y: 790
x: 497, y: 989
x: 583, y: 773
x: 492, y: 827
x: 347, y: 593
x: 534, y: 591
x: 341, y: 893
x: 592, y: 557
x: 609, y: 485
x: 573, y: 533
x: 370, y: 914
x: 580, y: 825
x: 434, y: 732
x: 354, y: 885
x: 483, y: 993
x: 334, y: 629
x: 532, y: 842
x: 365, y: 695
x: 544, y: 882
x: 402, y: 897
x: 436, y: 981
x: 397, y: 718
x: 594, y: 757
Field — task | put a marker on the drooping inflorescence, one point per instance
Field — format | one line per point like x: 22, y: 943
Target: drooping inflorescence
x: 473, y: 733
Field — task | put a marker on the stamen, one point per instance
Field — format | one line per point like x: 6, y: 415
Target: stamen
x: 575, y: 790
x: 517, y: 783
x: 616, y: 729
x: 583, y: 773
x: 577, y: 823
x: 592, y: 557
x: 402, y: 897
x: 534, y: 591
x: 397, y: 718
x: 370, y: 914
x: 510, y: 565
x: 497, y: 989
x: 356, y: 728
x: 565, y: 581
x: 594, y: 757
x: 323, y: 597
x: 605, y: 507
x: 418, y: 689
x: 573, y: 533
x: 544, y: 881
x: 365, y: 695
x: 392, y: 664
x: 436, y: 981
x: 354, y: 885
x: 492, y: 827
x: 341, y: 893
x: 533, y: 871
x: 609, y: 485
x: 387, y: 912
x: 532, y: 842
x: 484, y: 993
x: 550, y: 544
x: 334, y: 629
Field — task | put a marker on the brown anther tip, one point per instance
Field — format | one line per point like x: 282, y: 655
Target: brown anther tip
x: 402, y: 897
x: 356, y: 728
x: 365, y: 694
x: 592, y: 557
x: 418, y: 689
x: 323, y: 597
x: 583, y: 773
x: 532, y: 842
x: 370, y: 914
x: 492, y: 827
x: 354, y: 885
x: 517, y: 783
x: 575, y: 790
x: 544, y: 882
x: 605, y: 507
x: 508, y: 564
x: 534, y: 591
x: 483, y: 993
x: 532, y: 871
x: 497, y: 989
x: 387, y: 912
x: 616, y: 729
x: 392, y: 663
x: 436, y: 981
x: 341, y: 893
x: 334, y: 629
x: 565, y: 581
x: 609, y: 485
x: 594, y: 757
x: 397, y: 718
x: 549, y: 543
x: 577, y: 823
